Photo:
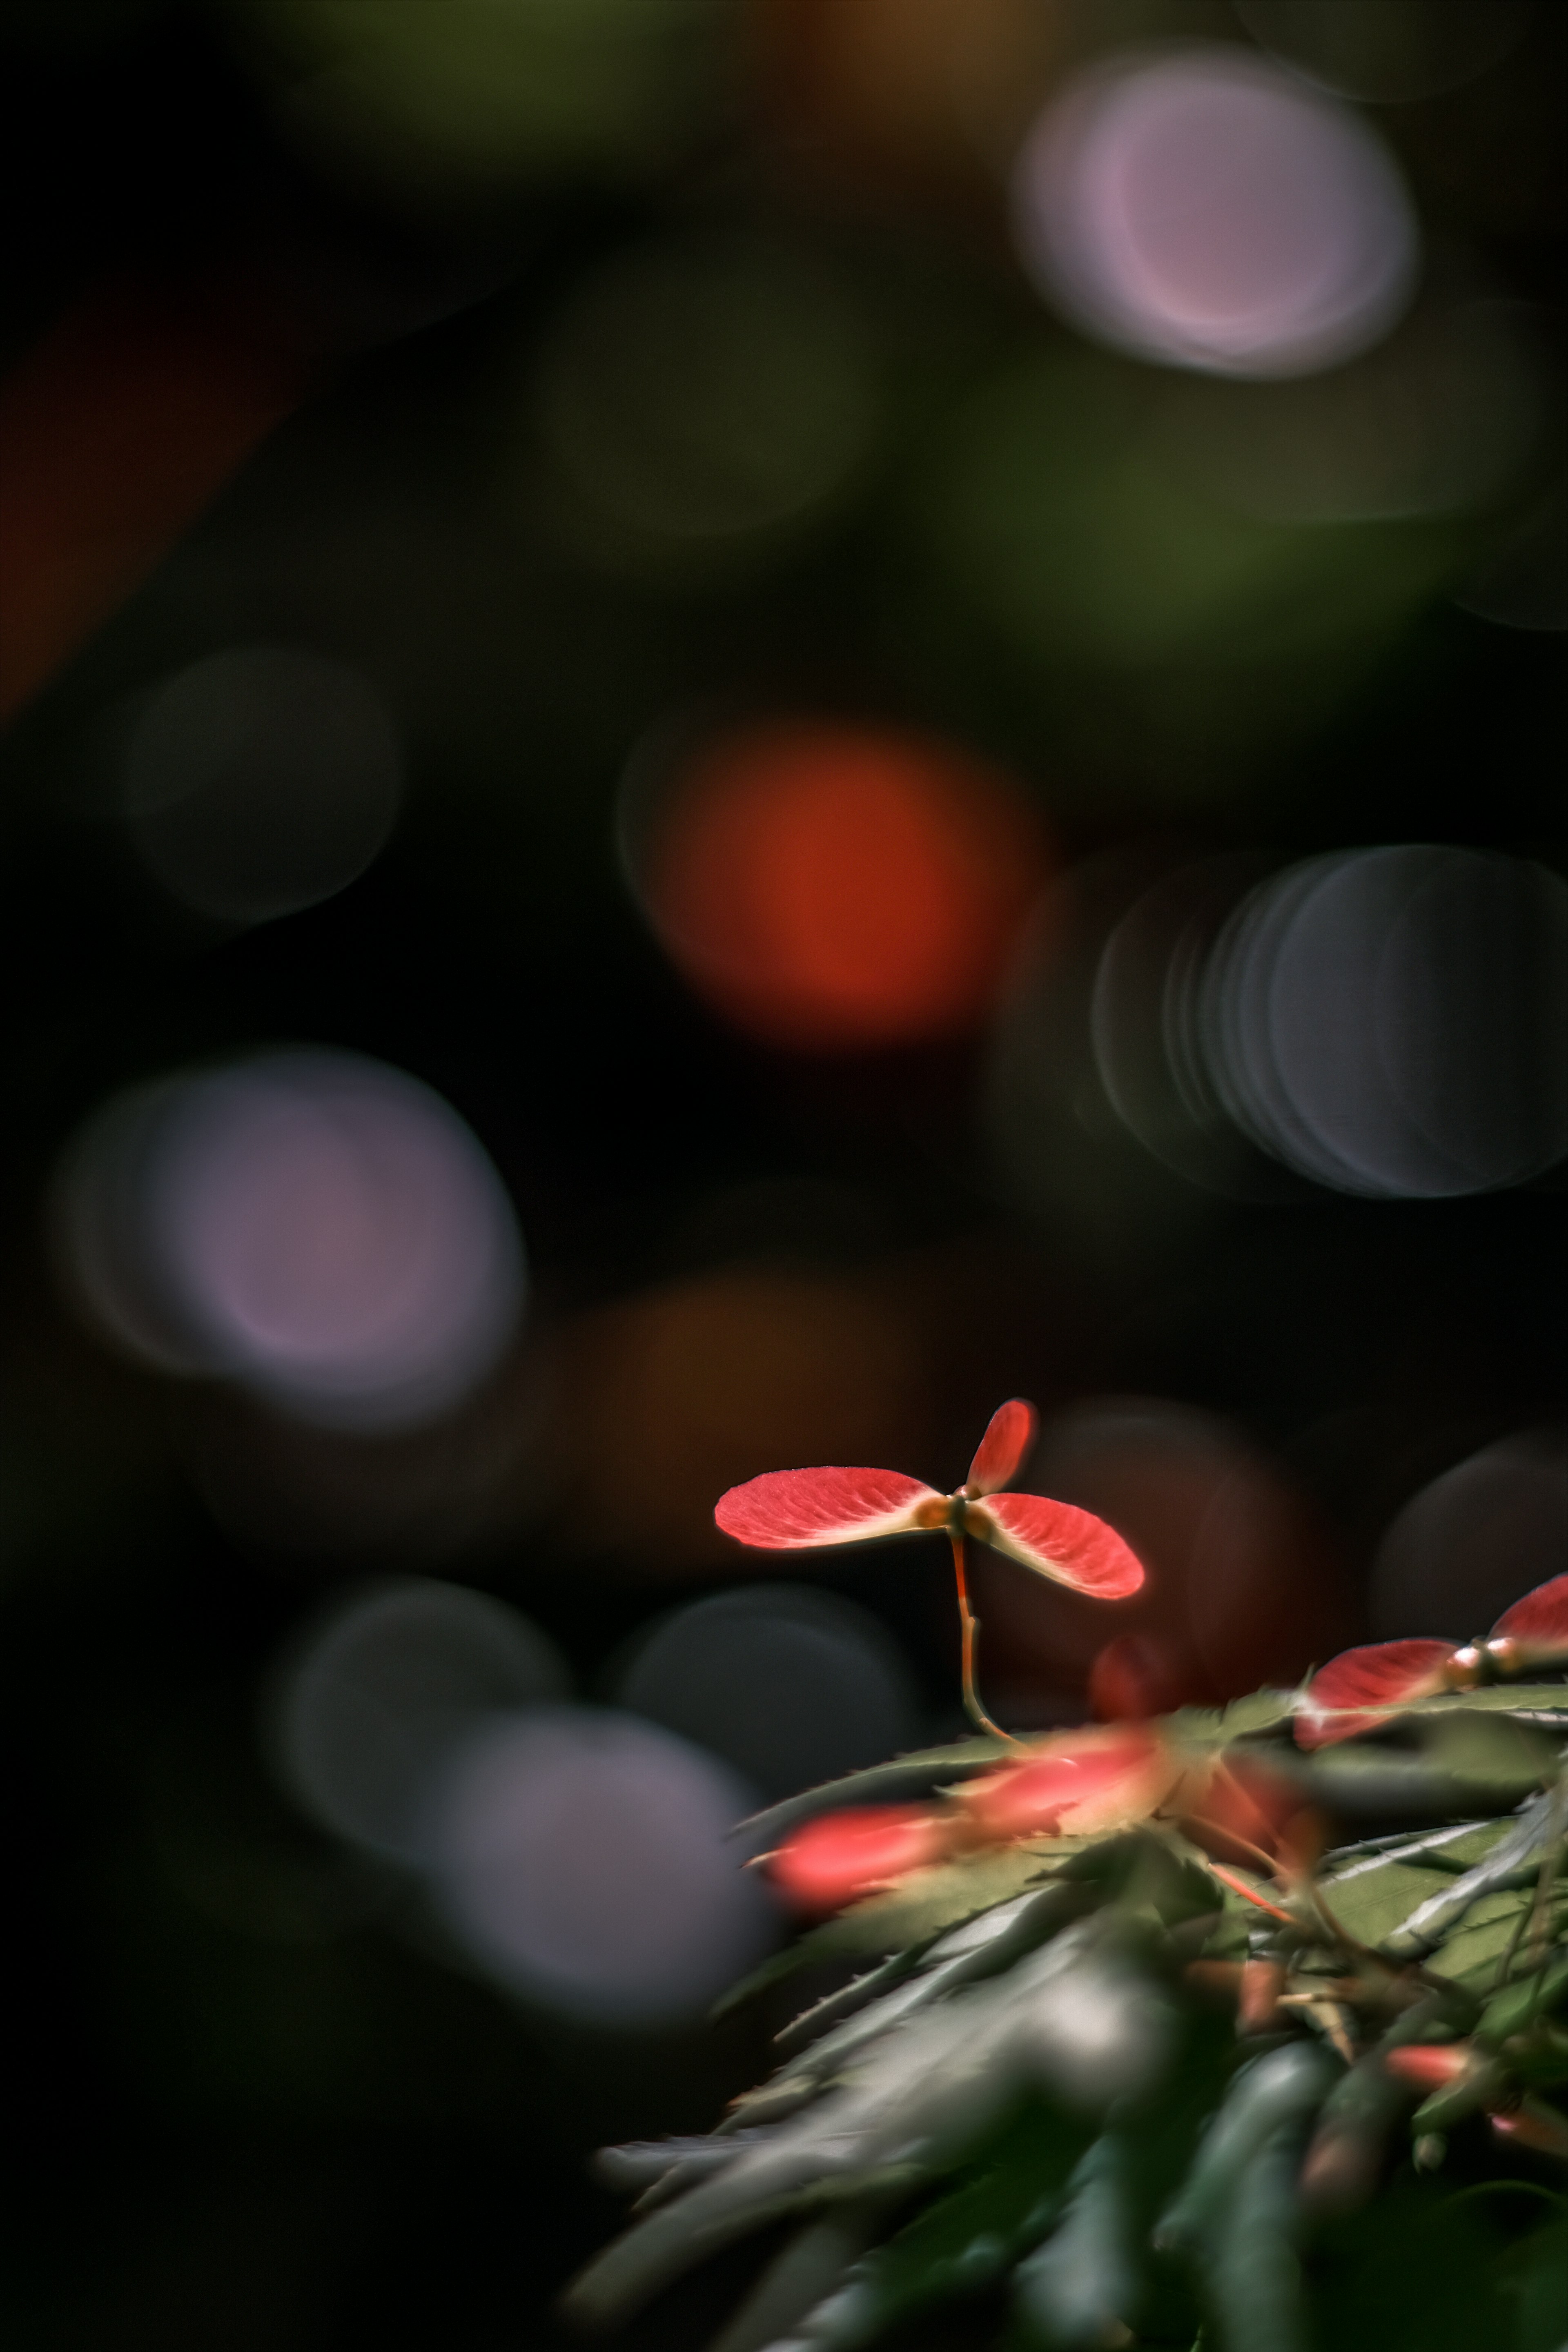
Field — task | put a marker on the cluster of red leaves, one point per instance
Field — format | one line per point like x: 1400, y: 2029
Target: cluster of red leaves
x: 1350, y: 1693
x: 1088, y: 1782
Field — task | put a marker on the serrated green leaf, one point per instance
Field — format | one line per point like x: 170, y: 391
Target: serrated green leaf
x: 1373, y: 1897
x: 904, y: 1775
x: 1207, y: 1727
x: 1492, y: 1752
x: 1531, y: 1699
x: 927, y: 1901
x: 1469, y: 1954
x: 1534, y: 1993
x: 1372, y: 1776
x: 1228, y: 1939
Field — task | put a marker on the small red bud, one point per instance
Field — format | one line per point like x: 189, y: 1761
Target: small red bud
x: 832, y: 1860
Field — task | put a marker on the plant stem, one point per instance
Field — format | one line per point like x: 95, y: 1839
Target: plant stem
x: 970, y: 1630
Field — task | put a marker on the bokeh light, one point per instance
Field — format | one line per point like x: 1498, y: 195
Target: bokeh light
x: 1443, y: 418
x: 1388, y: 50
x: 788, y: 1685
x: 435, y: 106
x: 1392, y: 1023
x: 908, y: 646
x: 584, y: 1859
x: 320, y: 1227
x: 1523, y: 583
x: 1473, y: 1541
x: 1395, y: 1022
x: 1204, y: 209
x: 382, y: 1692
x: 261, y: 781
x: 836, y: 888
x: 1144, y: 1029
x: 700, y: 401
x: 928, y: 93
x: 669, y: 1397
x: 1173, y: 636
x: 117, y: 429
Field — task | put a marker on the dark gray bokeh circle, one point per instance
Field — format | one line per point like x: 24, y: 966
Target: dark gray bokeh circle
x: 261, y: 781
x: 1474, y: 1540
x: 586, y: 1860
x: 385, y: 1690
x: 790, y: 1685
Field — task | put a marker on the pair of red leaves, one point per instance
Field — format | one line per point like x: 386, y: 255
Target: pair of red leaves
x: 797, y: 1510
x: 1353, y: 1689
x: 794, y: 1510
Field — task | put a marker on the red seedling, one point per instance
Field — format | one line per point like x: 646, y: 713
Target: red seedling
x: 1429, y: 2066
x: 797, y: 1510
x: 1353, y: 1689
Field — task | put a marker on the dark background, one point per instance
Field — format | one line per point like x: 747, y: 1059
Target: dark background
x: 243, y: 2109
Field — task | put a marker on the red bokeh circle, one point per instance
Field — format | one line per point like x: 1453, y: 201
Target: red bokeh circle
x: 832, y: 887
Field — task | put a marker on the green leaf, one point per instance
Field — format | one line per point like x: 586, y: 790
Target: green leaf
x: 926, y: 1901
x: 913, y: 1914
x: 1212, y: 1727
x: 1534, y: 1699
x: 1469, y: 1954
x: 1489, y: 1752
x: 1002, y: 2203
x: 1534, y: 1993
x: 1371, y: 1897
x: 905, y: 1776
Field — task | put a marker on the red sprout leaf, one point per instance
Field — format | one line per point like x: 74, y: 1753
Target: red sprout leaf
x: 790, y: 1510
x: 793, y: 1511
x: 1007, y: 1439
x: 1381, y: 1676
x: 1082, y: 1783
x: 1428, y: 2066
x: 834, y: 1860
x: 1538, y: 1622
x: 1534, y: 2124
x: 1059, y: 1541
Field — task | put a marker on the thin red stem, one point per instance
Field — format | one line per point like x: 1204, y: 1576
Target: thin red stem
x: 970, y: 1630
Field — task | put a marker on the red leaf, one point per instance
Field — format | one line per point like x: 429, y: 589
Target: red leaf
x: 831, y: 1860
x: 1379, y: 1675
x: 1427, y: 2065
x: 1238, y: 1802
x: 1081, y: 1783
x: 1008, y: 1436
x: 1540, y: 1620
x: 1058, y: 1541
x: 786, y: 1510
x: 1534, y: 2124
